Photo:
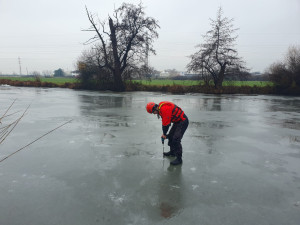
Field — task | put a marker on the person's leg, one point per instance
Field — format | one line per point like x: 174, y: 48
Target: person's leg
x: 176, y: 141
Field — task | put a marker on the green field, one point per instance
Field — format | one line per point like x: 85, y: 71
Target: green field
x: 56, y: 80
x: 160, y: 82
x: 194, y: 82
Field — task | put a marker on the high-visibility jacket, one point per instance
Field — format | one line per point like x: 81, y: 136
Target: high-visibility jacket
x: 170, y: 113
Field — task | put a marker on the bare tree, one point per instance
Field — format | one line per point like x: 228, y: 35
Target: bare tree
x: 126, y: 38
x: 287, y: 73
x: 218, y: 53
x: 205, y: 76
x: 292, y: 61
x: 91, y: 72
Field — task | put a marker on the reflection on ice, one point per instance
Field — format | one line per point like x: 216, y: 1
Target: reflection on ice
x: 294, y: 139
x: 210, y: 124
x: 170, y: 192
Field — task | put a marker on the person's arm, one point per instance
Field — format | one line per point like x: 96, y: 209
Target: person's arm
x: 165, y: 129
x: 166, y: 114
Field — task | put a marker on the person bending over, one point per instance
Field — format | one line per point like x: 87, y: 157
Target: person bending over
x: 171, y: 114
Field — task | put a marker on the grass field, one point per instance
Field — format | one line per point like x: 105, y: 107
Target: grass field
x: 56, y: 80
x: 155, y: 82
x: 194, y: 82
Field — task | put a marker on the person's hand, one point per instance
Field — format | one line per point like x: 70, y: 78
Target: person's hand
x: 164, y: 136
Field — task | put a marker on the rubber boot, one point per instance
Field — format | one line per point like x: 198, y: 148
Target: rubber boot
x: 177, y: 161
x: 170, y: 153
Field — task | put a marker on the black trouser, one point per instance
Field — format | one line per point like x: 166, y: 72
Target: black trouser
x: 175, y: 135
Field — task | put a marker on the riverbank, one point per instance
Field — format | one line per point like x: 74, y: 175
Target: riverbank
x: 173, y: 88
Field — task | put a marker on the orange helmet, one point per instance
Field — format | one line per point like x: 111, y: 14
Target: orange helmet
x: 150, y: 107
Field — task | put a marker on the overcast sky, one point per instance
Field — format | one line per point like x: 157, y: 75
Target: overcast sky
x: 46, y: 34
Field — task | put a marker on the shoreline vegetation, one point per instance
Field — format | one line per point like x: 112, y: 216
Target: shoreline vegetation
x: 159, y: 85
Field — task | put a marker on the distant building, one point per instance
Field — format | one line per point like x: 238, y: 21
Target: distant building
x: 75, y: 73
x: 256, y: 73
x: 164, y: 74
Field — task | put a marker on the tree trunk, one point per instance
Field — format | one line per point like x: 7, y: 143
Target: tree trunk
x: 220, y: 78
x: 119, y: 84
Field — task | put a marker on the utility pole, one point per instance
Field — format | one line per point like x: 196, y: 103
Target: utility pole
x: 20, y: 65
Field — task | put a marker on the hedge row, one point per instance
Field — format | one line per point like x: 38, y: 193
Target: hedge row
x: 38, y: 84
x: 175, y: 89
x: 180, y: 89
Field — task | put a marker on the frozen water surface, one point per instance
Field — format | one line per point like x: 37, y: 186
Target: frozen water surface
x: 241, y: 160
